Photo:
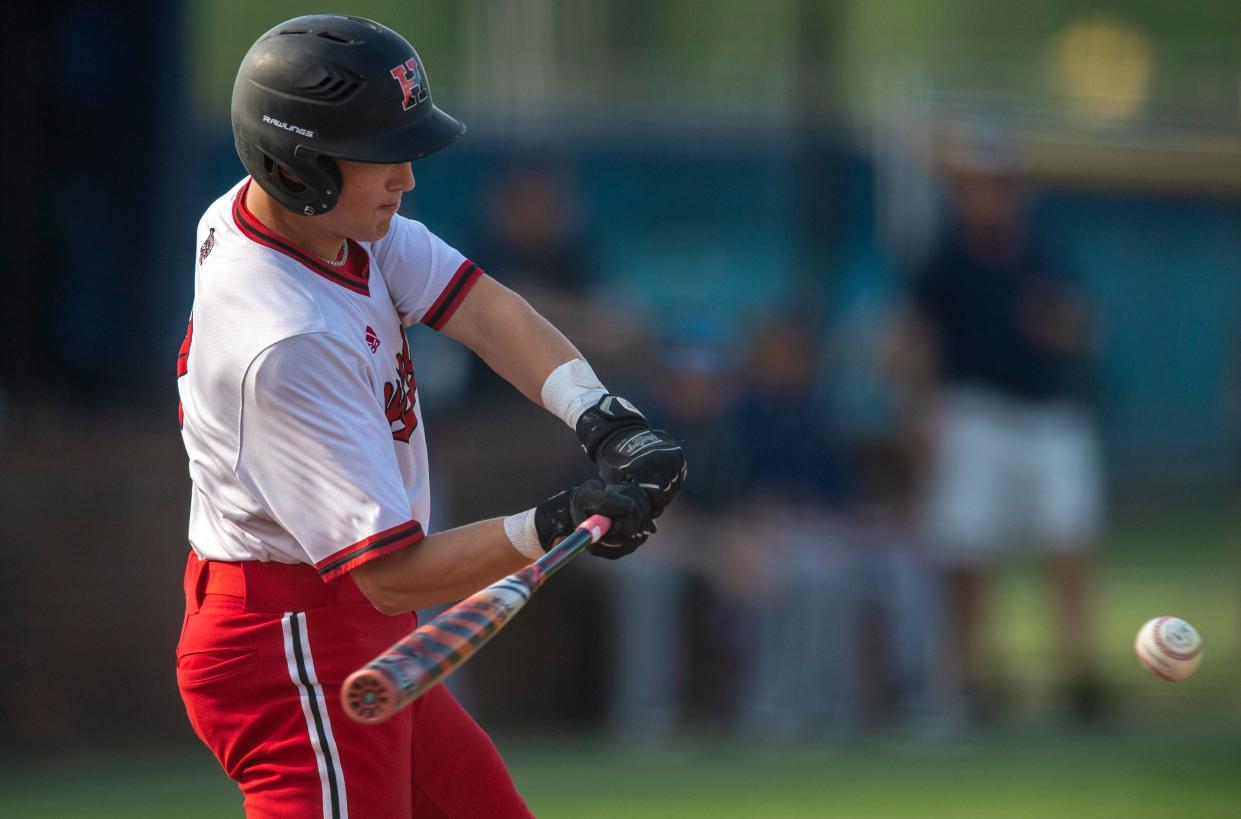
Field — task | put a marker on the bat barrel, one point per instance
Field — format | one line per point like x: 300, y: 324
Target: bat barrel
x: 418, y: 661
x: 398, y: 676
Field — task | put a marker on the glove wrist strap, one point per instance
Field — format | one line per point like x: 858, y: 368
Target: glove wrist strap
x: 553, y: 518
x: 599, y: 423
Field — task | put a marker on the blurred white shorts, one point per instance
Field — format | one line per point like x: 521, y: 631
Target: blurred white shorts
x: 1006, y: 473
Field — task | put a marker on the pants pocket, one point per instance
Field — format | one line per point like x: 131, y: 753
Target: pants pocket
x: 201, y: 666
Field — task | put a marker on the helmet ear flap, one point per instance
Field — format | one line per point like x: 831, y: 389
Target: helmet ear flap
x: 321, y: 176
x: 309, y: 186
x: 334, y: 182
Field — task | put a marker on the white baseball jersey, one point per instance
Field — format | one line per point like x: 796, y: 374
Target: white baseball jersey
x: 299, y: 409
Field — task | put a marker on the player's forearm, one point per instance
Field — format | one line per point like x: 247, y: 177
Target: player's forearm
x: 506, y: 332
x: 441, y: 568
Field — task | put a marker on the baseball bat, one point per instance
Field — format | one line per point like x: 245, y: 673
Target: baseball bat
x: 408, y: 669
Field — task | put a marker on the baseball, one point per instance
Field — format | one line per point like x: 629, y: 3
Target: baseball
x: 1169, y: 648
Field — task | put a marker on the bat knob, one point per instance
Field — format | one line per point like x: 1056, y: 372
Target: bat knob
x: 368, y: 696
x: 597, y: 525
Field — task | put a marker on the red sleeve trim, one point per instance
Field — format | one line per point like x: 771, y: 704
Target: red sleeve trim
x: 453, y: 294
x: 364, y: 551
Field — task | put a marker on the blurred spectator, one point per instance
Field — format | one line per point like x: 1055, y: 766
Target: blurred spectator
x: 661, y: 595
x: 791, y: 571
x: 531, y: 234
x: 815, y: 570
x: 531, y: 240
x: 1000, y: 338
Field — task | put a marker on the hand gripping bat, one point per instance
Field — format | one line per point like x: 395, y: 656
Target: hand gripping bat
x: 398, y: 676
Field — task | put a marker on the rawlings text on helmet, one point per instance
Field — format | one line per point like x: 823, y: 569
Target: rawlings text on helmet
x: 413, y: 85
x: 286, y: 126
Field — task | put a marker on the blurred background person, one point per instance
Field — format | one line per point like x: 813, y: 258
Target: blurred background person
x: 792, y: 573
x: 1001, y: 339
x: 835, y: 611
x: 532, y: 233
x: 669, y: 623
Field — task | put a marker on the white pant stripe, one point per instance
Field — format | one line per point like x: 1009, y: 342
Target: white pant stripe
x: 314, y: 707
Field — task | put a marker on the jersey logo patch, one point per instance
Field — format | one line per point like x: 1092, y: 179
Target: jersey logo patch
x: 413, y: 86
x: 372, y: 339
x: 205, y: 250
x: 399, y: 397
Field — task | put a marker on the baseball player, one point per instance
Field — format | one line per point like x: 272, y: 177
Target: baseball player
x: 300, y: 416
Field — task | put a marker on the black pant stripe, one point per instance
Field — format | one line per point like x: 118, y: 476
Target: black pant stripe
x: 296, y: 630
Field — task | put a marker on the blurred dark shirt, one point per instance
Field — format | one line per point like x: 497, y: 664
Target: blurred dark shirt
x: 974, y: 307
x: 787, y: 452
x: 562, y: 268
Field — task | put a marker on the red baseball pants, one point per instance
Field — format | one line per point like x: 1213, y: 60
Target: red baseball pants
x: 263, y: 652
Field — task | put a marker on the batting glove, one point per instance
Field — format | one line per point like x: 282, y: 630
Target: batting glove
x: 626, y: 505
x: 622, y: 444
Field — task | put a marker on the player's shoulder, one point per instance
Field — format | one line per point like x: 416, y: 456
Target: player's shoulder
x: 221, y: 245
x: 254, y: 295
x: 413, y: 261
x: 219, y: 213
x: 404, y: 236
x: 410, y: 242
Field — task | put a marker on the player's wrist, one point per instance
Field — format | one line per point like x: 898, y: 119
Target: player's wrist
x: 521, y: 531
x: 570, y: 390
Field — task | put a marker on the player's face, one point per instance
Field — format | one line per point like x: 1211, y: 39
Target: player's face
x: 370, y: 194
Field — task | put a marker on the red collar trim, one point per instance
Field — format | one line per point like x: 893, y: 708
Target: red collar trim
x: 354, y: 275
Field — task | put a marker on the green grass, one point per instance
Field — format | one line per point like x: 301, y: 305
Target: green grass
x: 1168, y: 753
x: 1023, y: 774
x: 1159, y: 770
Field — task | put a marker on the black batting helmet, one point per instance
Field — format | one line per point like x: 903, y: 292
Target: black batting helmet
x: 324, y: 86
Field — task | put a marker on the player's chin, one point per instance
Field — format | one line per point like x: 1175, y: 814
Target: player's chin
x: 379, y: 227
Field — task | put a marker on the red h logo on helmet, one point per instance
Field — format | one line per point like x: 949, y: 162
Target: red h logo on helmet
x: 413, y: 84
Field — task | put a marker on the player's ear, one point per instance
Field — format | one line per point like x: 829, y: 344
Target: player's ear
x: 290, y: 181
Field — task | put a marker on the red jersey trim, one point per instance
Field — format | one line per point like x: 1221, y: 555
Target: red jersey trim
x: 453, y: 294
x: 377, y: 545
x: 354, y: 275
x: 183, y: 355
x: 183, y: 365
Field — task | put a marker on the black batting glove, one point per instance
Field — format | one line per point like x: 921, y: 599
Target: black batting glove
x: 622, y: 444
x: 628, y: 507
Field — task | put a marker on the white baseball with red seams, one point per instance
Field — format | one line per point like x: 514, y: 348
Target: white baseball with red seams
x: 1169, y: 647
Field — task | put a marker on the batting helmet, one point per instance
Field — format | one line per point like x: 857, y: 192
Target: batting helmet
x: 327, y: 86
